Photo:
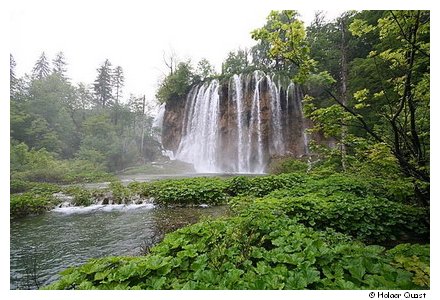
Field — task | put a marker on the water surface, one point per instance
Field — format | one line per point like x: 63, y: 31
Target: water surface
x: 44, y: 245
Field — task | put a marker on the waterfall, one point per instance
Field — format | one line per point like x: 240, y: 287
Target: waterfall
x: 200, y: 133
x: 255, y: 126
x: 275, y: 106
x: 242, y: 144
x: 238, y: 126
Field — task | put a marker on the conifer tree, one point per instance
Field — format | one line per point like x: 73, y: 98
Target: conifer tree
x: 103, y: 84
x: 118, y: 82
x: 41, y: 69
x: 59, y: 65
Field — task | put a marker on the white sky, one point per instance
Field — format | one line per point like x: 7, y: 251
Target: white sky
x: 132, y: 34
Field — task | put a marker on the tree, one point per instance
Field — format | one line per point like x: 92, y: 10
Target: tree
x: 402, y: 67
x: 286, y: 37
x: 41, y: 68
x: 236, y: 62
x: 118, y: 82
x: 103, y: 84
x: 393, y: 109
x: 12, y: 77
x: 59, y: 65
x: 176, y: 85
x: 204, y: 69
x: 170, y: 60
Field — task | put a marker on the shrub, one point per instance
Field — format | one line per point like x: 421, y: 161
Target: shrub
x: 120, y: 192
x: 30, y: 203
x: 287, y: 165
x: 81, y: 197
x: 186, y: 191
x: 19, y: 186
x: 370, y: 219
x: 262, y: 185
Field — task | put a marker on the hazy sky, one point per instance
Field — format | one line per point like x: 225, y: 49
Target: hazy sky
x: 133, y: 34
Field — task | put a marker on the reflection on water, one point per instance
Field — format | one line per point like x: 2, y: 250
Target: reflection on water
x: 44, y: 245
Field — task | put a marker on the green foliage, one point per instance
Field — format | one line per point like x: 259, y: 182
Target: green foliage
x: 120, y: 192
x: 176, y: 86
x: 388, y: 65
x: 236, y: 63
x: 372, y: 220
x: 63, y: 133
x: 187, y: 191
x: 81, y: 196
x: 37, y: 199
x: 19, y: 186
x: 287, y: 165
x: 41, y: 166
x: 260, y: 251
x: 415, y: 259
x: 286, y: 37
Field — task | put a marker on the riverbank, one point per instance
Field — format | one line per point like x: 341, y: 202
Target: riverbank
x: 291, y: 231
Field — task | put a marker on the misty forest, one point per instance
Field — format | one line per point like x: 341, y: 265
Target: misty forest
x: 303, y: 164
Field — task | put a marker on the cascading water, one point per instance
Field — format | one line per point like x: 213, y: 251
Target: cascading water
x: 277, y: 130
x: 238, y: 127
x: 242, y: 144
x: 199, y: 144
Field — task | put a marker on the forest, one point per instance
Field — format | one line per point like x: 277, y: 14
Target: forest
x: 351, y: 212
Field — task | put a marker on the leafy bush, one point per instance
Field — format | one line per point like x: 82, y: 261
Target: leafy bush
x: 260, y: 251
x: 120, y: 192
x: 373, y: 220
x: 19, y: 186
x: 30, y: 203
x: 287, y: 165
x: 185, y: 191
x: 413, y: 258
x: 42, y: 166
x: 81, y: 197
x: 262, y: 185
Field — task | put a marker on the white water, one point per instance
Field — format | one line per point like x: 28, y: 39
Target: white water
x: 277, y: 130
x: 68, y: 210
x: 200, y: 137
x: 255, y: 125
x: 242, y: 144
x: 251, y: 137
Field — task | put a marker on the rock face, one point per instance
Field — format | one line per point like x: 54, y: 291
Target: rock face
x: 236, y: 126
x: 172, y: 124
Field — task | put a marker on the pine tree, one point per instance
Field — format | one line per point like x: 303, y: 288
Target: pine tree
x: 12, y: 78
x: 41, y: 69
x: 118, y: 82
x: 103, y: 84
x: 59, y: 65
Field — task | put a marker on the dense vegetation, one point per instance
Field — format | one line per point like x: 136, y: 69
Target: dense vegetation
x: 290, y: 231
x: 66, y: 133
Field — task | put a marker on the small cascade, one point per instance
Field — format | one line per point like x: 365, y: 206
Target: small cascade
x: 105, y: 202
